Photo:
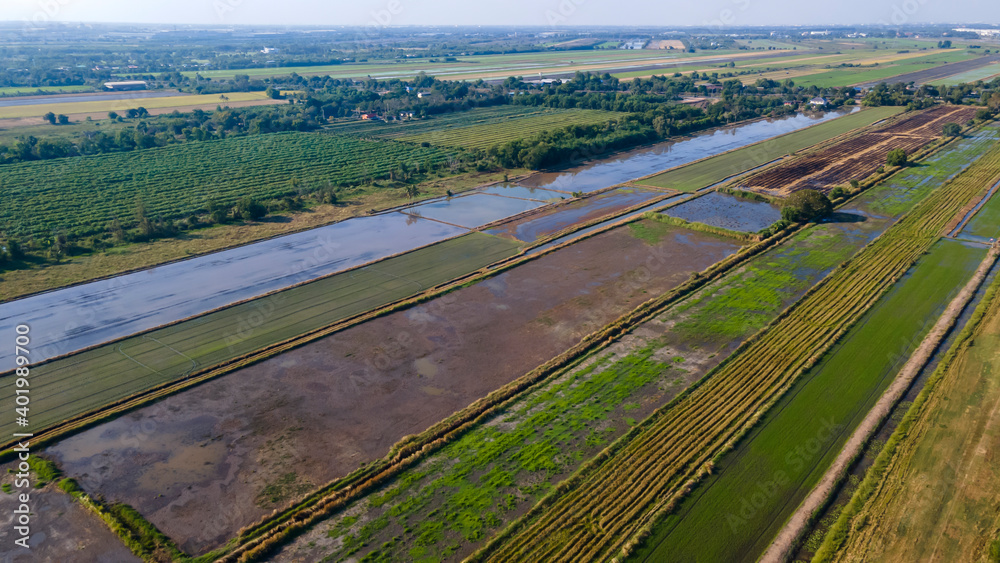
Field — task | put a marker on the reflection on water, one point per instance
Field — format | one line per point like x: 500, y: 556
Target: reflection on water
x: 72, y: 318
x: 514, y: 190
x: 474, y: 210
x: 728, y: 212
x: 530, y: 229
x: 640, y: 162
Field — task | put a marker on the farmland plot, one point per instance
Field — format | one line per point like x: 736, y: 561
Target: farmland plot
x: 289, y: 424
x: 736, y: 512
x: 479, y: 128
x: 931, y: 493
x: 711, y: 171
x: 548, y: 434
x: 650, y: 470
x: 81, y: 195
x: 701, y: 330
x: 91, y: 379
x: 855, y: 158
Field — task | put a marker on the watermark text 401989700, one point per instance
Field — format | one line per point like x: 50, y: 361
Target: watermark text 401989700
x: 22, y: 512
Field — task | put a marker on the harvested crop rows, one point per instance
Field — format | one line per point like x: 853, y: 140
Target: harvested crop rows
x: 706, y: 172
x: 81, y: 195
x: 822, y: 410
x: 602, y: 510
x: 858, y: 157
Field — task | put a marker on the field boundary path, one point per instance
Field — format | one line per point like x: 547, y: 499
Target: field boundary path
x: 783, y: 544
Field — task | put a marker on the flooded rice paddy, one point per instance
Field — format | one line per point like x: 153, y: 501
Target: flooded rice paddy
x: 73, y: 318
x: 61, y: 528
x: 636, y: 163
x: 472, y: 211
x: 257, y: 438
x: 559, y: 218
x: 523, y: 192
x: 727, y: 212
x: 70, y: 319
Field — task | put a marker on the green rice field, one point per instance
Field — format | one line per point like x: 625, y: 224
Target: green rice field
x: 477, y: 137
x: 736, y: 512
x: 986, y: 222
x: 711, y: 171
x: 985, y: 73
x: 82, y: 382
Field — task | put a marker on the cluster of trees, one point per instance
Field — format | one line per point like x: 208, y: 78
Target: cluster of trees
x: 10, y: 251
x: 148, y: 132
x: 897, y: 157
x: 986, y: 94
x: 575, y: 142
x: 14, y: 252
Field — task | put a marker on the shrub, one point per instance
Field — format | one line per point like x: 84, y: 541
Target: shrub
x: 896, y: 157
x: 248, y: 208
x: 806, y: 205
x: 952, y: 129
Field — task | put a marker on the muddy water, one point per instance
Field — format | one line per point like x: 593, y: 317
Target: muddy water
x: 641, y: 162
x: 61, y: 528
x: 69, y: 319
x: 255, y: 439
x: 728, y: 212
x: 472, y: 211
x: 531, y: 228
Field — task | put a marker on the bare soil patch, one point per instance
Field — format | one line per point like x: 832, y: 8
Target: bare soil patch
x: 858, y: 157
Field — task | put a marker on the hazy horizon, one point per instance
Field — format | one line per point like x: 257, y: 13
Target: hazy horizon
x: 715, y: 13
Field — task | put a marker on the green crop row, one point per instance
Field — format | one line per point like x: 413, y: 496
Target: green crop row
x: 81, y: 195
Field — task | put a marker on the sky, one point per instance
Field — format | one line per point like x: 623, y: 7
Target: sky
x: 505, y: 12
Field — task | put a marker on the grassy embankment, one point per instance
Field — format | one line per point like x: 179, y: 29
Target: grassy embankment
x: 650, y: 470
